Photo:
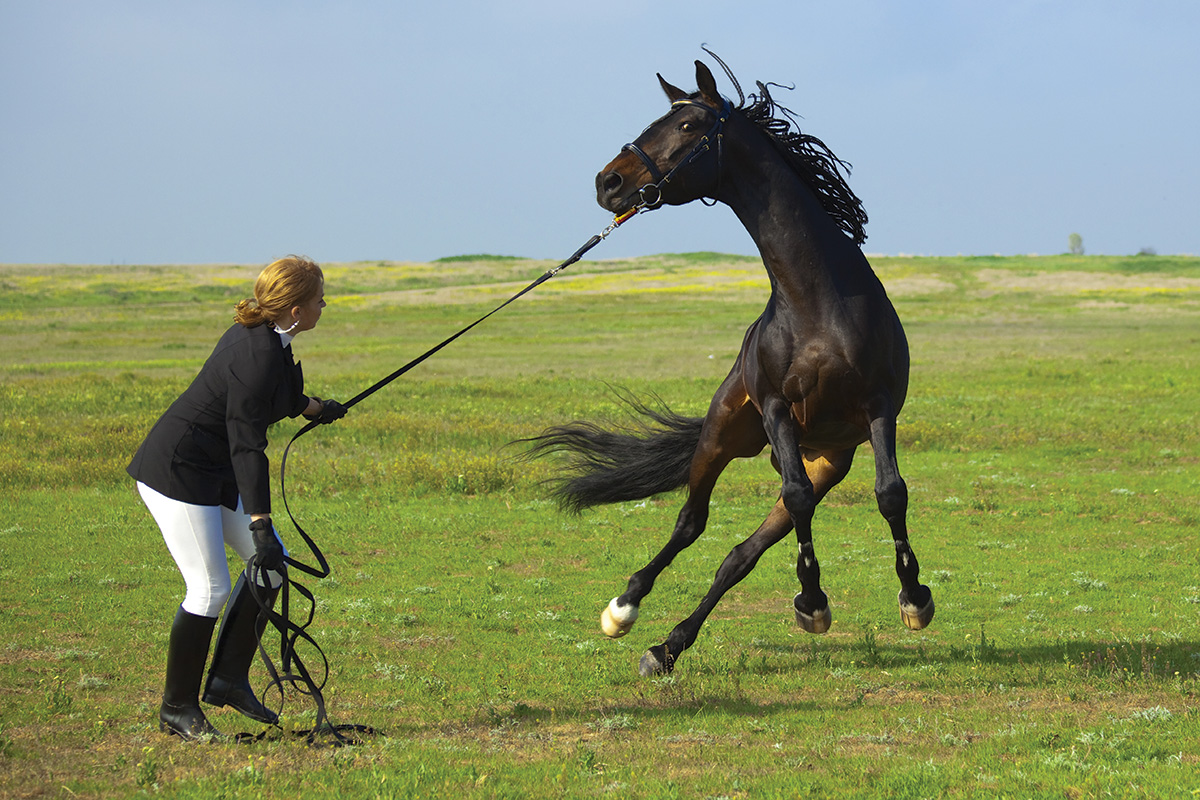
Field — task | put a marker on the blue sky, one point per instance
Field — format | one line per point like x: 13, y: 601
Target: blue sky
x: 167, y: 132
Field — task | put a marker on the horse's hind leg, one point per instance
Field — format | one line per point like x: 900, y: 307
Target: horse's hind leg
x: 622, y: 611
x: 916, y: 601
x: 660, y: 659
x: 807, y: 477
x: 732, y: 429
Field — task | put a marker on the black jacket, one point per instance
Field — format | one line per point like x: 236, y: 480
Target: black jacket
x: 210, y: 445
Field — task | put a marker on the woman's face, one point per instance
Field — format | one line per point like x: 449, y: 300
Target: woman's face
x: 307, y: 314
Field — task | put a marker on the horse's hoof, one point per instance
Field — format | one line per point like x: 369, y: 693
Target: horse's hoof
x: 813, y: 622
x: 616, y: 620
x: 915, y: 618
x: 656, y: 661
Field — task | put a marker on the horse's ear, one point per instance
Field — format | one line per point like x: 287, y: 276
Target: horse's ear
x: 674, y: 93
x: 707, y: 84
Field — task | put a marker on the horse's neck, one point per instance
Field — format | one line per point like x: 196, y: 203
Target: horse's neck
x: 806, y: 253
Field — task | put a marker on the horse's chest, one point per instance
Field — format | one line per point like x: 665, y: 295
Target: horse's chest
x: 814, y: 373
x: 822, y: 387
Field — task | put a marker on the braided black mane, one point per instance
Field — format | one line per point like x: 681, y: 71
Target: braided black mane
x: 813, y: 161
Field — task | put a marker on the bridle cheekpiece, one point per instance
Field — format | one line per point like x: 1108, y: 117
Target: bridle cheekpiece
x: 650, y: 195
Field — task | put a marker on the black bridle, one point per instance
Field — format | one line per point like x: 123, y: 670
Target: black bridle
x: 650, y: 195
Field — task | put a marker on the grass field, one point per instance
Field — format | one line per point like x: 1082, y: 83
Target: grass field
x: 1050, y: 442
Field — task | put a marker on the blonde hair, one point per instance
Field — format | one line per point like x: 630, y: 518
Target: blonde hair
x: 281, y: 286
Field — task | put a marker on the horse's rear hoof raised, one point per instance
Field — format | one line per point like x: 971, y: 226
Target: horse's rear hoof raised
x: 916, y: 617
x: 616, y: 620
x: 817, y: 621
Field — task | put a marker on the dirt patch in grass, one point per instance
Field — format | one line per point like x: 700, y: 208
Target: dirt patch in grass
x: 916, y: 285
x: 1076, y: 282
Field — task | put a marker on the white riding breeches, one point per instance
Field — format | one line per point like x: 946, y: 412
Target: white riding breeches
x: 196, y: 536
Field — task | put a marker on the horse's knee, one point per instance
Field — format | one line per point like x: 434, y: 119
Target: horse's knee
x: 892, y: 497
x: 800, y: 501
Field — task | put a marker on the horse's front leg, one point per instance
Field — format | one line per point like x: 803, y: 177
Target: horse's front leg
x: 916, y: 601
x: 825, y: 470
x: 799, y: 496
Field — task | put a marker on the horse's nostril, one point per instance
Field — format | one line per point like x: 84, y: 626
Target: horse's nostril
x: 612, y: 182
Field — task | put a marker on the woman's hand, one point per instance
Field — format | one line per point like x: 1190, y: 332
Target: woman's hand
x: 268, y: 550
x: 331, y: 410
x: 324, y: 411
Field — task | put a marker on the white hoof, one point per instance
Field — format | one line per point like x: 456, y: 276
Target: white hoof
x: 616, y: 620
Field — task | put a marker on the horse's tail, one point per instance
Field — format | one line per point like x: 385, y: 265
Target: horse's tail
x: 630, y: 463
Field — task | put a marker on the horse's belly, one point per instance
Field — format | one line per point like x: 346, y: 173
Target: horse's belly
x: 832, y: 435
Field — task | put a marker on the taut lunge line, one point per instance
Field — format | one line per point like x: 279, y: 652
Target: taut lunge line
x: 619, y: 220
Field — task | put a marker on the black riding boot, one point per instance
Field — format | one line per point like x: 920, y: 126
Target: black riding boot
x: 187, y: 651
x: 229, y: 678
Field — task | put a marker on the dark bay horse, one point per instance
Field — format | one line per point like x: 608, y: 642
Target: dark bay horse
x: 822, y: 370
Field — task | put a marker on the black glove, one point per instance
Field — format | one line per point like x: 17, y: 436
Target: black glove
x: 268, y: 550
x: 331, y: 410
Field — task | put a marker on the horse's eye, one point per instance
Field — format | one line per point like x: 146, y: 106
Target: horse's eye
x: 687, y: 127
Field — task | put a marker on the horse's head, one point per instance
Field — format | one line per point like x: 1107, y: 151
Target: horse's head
x: 676, y: 159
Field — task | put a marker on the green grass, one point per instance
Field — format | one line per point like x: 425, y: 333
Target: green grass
x: 1050, y: 444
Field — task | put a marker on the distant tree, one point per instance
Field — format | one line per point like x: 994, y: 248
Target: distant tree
x: 1075, y: 242
x: 1147, y: 251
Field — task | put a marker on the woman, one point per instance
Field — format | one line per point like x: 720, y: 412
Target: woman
x: 203, y: 473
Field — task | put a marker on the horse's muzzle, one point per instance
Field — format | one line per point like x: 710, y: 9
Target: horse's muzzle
x: 610, y: 192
